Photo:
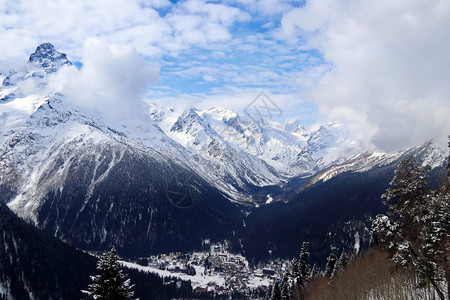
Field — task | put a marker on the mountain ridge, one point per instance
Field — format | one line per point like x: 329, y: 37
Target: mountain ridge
x: 171, y: 178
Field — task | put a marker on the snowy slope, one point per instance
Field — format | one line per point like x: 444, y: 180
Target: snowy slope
x: 231, y: 168
x: 33, y: 76
x: 321, y: 152
x: 41, y: 151
x: 38, y: 128
x: 289, y: 148
x: 269, y: 141
x: 161, y: 181
x: 234, y: 153
x: 429, y: 154
x: 64, y: 167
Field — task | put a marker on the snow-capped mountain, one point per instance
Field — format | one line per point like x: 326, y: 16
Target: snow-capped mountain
x: 56, y: 124
x: 64, y: 167
x: 166, y: 179
x: 429, y: 154
x: 48, y: 59
x: 290, y: 149
x: 334, y: 208
x: 233, y: 169
x: 43, y: 62
x: 234, y: 153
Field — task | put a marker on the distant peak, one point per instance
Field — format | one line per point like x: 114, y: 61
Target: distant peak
x: 45, y: 47
x: 219, y: 113
x: 294, y: 126
x: 48, y: 57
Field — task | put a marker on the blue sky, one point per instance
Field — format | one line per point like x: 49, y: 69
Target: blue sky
x: 210, y: 52
x: 380, y: 67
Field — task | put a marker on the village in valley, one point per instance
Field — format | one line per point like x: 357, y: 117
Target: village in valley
x: 216, y: 270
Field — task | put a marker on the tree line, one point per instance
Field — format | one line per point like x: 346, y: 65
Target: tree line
x: 414, y: 234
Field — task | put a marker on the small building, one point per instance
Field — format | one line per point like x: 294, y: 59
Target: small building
x: 268, y: 272
x: 200, y: 289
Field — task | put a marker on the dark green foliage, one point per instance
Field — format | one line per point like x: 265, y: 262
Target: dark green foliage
x: 314, y: 212
x: 339, y: 267
x: 53, y: 269
x: 343, y: 260
x: 295, y: 268
x: 407, y: 197
x: 331, y: 264
x: 304, y: 267
x: 314, y: 271
x: 31, y: 259
x: 416, y: 232
x: 276, y: 292
x: 285, y: 289
x: 132, y: 206
x: 153, y: 287
x: 111, y: 283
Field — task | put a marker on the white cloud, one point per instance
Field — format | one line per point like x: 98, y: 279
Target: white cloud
x: 155, y: 3
x: 215, y: 12
x: 113, y: 79
x: 200, y: 23
x: 267, y: 8
x: 386, y: 77
x: 390, y: 65
x: 67, y: 24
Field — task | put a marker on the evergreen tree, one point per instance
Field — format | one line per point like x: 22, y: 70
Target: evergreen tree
x: 435, y: 231
x: 407, y: 197
x: 448, y: 164
x: 373, y: 240
x: 111, y: 283
x: 435, y: 251
x: 416, y: 232
x: 343, y: 261
x: 331, y: 263
x: 304, y: 268
x: 295, y: 270
x: 339, y: 267
x: 302, y: 271
x: 314, y: 271
x: 286, y: 288
x: 276, y: 292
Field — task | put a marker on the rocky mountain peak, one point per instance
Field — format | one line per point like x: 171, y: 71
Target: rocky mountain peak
x: 48, y: 57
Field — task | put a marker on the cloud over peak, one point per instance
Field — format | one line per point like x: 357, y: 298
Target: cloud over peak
x: 381, y: 67
x: 390, y: 65
x: 113, y: 79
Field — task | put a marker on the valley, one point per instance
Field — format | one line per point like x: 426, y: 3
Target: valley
x: 168, y: 180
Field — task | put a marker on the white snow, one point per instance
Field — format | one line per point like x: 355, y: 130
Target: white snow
x: 3, y: 290
x: 357, y: 242
x: 198, y: 280
x: 227, y: 150
x: 14, y: 114
x: 280, y: 146
x: 269, y: 199
x: 255, y: 281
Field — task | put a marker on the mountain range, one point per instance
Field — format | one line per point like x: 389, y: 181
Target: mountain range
x: 174, y: 179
